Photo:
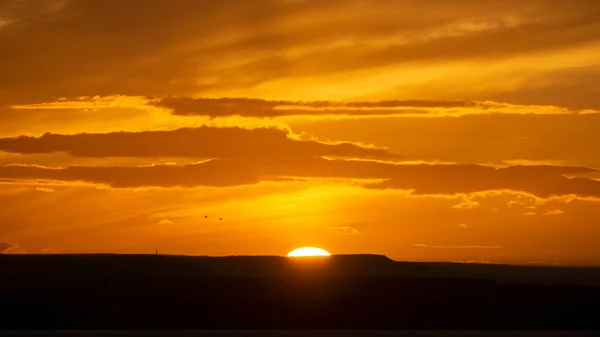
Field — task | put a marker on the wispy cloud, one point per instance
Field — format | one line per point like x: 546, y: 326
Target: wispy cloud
x: 344, y: 230
x: 474, y: 261
x: 246, y: 107
x: 45, y: 189
x: 467, y: 203
x: 458, y: 247
x: 88, y: 103
x: 554, y: 212
x: 304, y: 45
x: 7, y: 247
x: 49, y: 250
x: 261, y: 108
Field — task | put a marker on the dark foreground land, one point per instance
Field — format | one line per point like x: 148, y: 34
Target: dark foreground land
x: 303, y: 333
x: 365, y: 292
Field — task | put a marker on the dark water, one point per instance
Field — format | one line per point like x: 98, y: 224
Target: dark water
x: 256, y: 333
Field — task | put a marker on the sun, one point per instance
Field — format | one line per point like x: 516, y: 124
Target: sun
x: 308, y: 251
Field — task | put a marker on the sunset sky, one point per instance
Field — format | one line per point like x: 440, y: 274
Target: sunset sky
x: 455, y: 130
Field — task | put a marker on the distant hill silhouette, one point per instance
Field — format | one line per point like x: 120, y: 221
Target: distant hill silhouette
x: 108, y: 266
x: 269, y: 292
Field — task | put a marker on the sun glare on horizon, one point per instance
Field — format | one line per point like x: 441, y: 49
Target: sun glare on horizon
x: 308, y: 251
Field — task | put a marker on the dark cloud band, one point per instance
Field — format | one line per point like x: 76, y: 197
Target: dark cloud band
x: 541, y: 181
x: 203, y: 142
x: 247, y: 107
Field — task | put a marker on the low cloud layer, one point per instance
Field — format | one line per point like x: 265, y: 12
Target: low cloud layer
x: 554, y: 212
x: 261, y: 108
x: 458, y: 247
x: 541, y: 181
x: 7, y: 247
x: 45, y: 189
x: 246, y: 107
x: 203, y: 142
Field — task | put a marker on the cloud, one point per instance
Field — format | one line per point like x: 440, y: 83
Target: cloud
x: 247, y: 107
x: 165, y: 222
x: 212, y: 173
x: 467, y: 203
x: 550, y: 87
x: 45, y: 189
x: 554, y: 212
x: 531, y: 213
x: 542, y: 181
x: 474, y: 261
x: 420, y: 179
x: 7, y: 247
x: 202, y: 142
x: 261, y: 108
x: 214, y: 46
x: 462, y: 225
x: 457, y: 247
x: 344, y: 230
x: 502, y: 140
x: 49, y: 250
x: 88, y: 103
x: 24, y: 11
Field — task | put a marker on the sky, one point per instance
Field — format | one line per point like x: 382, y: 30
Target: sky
x: 457, y: 130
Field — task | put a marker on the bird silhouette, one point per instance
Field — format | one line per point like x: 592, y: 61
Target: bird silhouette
x: 206, y: 217
x: 220, y: 218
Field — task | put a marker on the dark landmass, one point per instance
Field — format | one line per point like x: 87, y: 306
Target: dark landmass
x: 298, y: 333
x: 108, y: 292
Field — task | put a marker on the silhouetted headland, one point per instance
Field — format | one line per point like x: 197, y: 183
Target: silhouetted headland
x: 268, y: 292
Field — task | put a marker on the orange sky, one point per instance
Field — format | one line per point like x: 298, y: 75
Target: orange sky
x: 462, y: 130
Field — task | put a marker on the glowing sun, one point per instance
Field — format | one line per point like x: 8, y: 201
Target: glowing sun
x: 308, y: 251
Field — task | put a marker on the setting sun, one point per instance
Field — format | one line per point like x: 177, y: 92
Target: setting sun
x: 308, y: 251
